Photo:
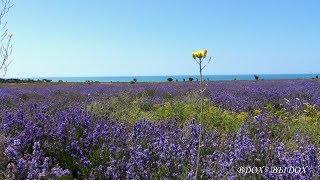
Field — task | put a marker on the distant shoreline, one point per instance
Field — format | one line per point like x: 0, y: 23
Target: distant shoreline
x: 50, y: 82
x: 127, y: 79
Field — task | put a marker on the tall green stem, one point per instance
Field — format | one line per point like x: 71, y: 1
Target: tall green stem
x: 201, y: 116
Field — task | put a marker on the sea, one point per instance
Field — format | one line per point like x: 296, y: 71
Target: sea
x: 182, y: 78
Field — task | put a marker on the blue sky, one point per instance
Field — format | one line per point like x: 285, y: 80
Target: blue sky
x: 130, y: 38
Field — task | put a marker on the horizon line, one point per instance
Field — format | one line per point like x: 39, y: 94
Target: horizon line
x: 162, y: 75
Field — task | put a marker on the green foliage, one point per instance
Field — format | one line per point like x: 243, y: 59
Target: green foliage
x: 129, y: 108
x: 7, y: 104
x: 276, y: 110
x: 67, y: 177
x: 123, y: 107
x: 213, y: 117
x: 149, y: 92
x: 68, y: 162
x: 307, y: 124
x: 3, y: 158
x: 167, y: 96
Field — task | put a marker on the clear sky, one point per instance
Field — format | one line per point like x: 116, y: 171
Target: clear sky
x: 157, y: 37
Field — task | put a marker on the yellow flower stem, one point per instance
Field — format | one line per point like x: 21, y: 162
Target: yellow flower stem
x: 201, y: 116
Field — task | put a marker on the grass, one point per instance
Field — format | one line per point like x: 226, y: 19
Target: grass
x: 130, y: 109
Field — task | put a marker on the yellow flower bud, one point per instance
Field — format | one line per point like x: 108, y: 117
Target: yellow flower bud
x: 194, y: 55
x: 199, y: 54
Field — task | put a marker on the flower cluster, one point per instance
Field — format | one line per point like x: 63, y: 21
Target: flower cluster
x: 74, y: 144
x: 49, y: 133
x: 231, y: 95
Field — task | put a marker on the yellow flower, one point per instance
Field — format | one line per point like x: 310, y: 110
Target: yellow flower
x: 194, y: 55
x: 199, y: 54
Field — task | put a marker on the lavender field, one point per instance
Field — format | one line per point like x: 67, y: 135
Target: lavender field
x: 154, y: 130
